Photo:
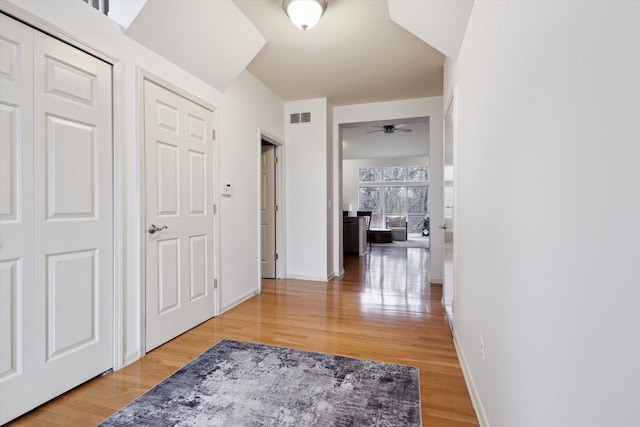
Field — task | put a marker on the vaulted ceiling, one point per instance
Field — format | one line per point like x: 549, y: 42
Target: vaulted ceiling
x: 361, y: 50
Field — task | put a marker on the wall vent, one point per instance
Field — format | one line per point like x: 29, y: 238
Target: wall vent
x: 295, y: 118
x: 305, y: 117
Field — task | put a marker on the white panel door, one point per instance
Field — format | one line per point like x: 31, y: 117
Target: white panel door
x: 73, y: 216
x: 179, y: 204
x: 267, y: 212
x: 56, y: 260
x: 16, y: 218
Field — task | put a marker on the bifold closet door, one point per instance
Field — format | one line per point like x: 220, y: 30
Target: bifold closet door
x: 57, y: 254
x: 16, y: 219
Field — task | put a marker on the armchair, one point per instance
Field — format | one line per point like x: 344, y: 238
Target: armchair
x: 398, y: 226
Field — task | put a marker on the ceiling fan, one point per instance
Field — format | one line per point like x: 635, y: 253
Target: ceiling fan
x: 389, y: 129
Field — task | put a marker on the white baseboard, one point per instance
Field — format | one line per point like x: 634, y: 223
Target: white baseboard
x: 341, y: 272
x: 131, y: 357
x: 228, y: 306
x: 311, y: 278
x: 437, y: 280
x: 471, y: 386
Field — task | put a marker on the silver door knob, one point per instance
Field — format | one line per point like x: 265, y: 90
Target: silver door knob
x: 443, y: 227
x: 152, y: 229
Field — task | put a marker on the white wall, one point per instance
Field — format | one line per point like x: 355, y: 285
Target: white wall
x: 549, y: 211
x: 247, y: 105
x: 351, y: 173
x: 306, y: 193
x: 410, y: 108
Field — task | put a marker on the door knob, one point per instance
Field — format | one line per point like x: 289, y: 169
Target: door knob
x: 152, y: 229
x: 443, y: 227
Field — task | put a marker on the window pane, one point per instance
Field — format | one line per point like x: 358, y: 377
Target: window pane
x: 394, y: 200
x: 369, y: 199
x: 370, y: 174
x: 416, y: 200
x: 395, y: 174
x: 418, y: 173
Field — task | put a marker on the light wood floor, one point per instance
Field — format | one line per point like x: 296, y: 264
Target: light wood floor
x: 382, y: 309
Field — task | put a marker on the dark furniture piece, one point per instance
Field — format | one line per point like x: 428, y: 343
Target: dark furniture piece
x: 379, y: 235
x: 354, y: 231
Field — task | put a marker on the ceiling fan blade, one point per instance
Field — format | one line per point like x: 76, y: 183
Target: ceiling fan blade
x: 402, y: 130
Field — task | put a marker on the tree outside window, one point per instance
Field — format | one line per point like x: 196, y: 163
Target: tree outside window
x: 395, y: 191
x: 369, y: 200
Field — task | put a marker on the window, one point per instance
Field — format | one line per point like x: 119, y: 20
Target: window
x: 395, y: 191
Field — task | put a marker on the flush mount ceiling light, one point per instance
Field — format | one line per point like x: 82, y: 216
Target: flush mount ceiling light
x: 304, y: 14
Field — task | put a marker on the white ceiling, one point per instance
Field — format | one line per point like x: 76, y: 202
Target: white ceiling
x: 359, y: 52
x: 358, y: 143
x: 356, y: 54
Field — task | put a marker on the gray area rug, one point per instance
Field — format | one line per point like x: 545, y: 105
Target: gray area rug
x: 243, y: 384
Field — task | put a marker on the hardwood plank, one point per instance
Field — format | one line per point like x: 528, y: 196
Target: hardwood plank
x: 383, y: 309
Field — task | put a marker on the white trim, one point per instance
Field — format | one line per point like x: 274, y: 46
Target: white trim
x: 310, y: 278
x: 119, y: 258
x: 436, y: 280
x: 238, y: 301
x: 142, y: 309
x: 117, y: 165
x: 56, y: 32
x: 132, y: 356
x: 216, y: 216
x: 258, y: 232
x: 142, y: 75
x: 471, y: 386
x: 281, y: 241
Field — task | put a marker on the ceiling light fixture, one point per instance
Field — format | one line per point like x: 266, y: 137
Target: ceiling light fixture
x: 304, y: 14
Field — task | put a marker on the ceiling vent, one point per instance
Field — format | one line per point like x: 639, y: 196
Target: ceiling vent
x: 294, y: 118
x: 305, y: 117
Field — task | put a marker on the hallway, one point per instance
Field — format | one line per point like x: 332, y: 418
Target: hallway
x: 383, y: 309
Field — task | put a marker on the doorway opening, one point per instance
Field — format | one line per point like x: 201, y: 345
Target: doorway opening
x: 385, y: 170
x: 268, y: 210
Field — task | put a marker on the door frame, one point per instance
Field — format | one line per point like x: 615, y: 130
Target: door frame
x: 451, y: 111
x: 281, y: 264
x: 117, y: 167
x: 144, y: 75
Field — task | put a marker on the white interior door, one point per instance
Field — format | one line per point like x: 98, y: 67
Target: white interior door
x: 448, y: 288
x: 268, y: 212
x: 56, y: 251
x: 179, y: 203
x: 16, y: 219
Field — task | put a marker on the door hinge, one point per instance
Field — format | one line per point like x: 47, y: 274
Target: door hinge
x: 275, y: 160
x: 275, y: 256
x: 215, y: 209
x: 213, y: 134
x: 215, y: 283
x: 275, y: 208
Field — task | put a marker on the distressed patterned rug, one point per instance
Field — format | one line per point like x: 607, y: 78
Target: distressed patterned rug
x: 243, y: 384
